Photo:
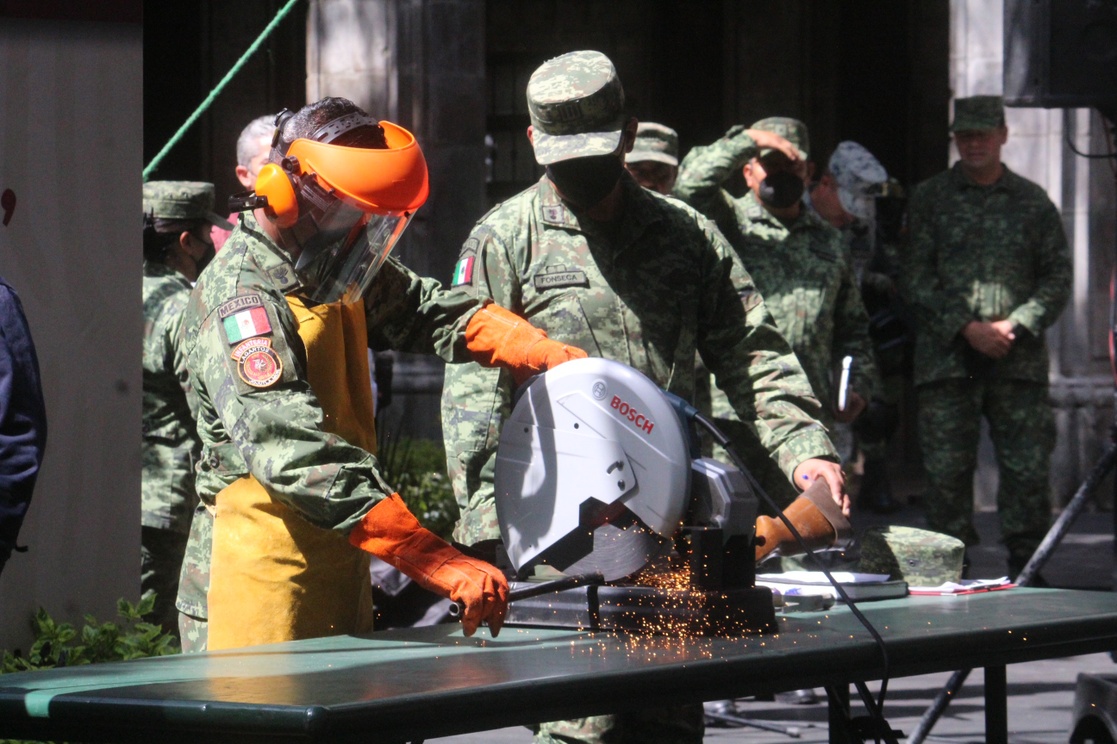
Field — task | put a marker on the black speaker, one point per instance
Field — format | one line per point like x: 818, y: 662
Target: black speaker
x: 1060, y: 53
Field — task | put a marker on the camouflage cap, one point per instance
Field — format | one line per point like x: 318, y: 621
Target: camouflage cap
x: 182, y: 200
x: 654, y: 142
x: 576, y: 104
x: 792, y: 130
x: 977, y: 113
x: 859, y: 177
x: 919, y: 557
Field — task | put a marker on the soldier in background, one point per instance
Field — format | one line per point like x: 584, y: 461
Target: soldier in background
x: 595, y: 260
x: 253, y: 148
x: 800, y: 267
x: 178, y: 216
x: 987, y: 271
x: 846, y: 196
x: 654, y: 160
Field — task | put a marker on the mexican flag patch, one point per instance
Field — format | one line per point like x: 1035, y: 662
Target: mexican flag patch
x: 463, y: 272
x: 246, y: 324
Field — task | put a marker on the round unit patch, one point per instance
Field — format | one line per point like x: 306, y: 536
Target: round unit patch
x: 257, y: 363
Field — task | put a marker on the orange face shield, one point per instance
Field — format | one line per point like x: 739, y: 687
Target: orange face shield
x: 389, y: 181
x: 344, y: 207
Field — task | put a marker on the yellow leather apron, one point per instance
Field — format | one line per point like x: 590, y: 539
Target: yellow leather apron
x: 274, y: 576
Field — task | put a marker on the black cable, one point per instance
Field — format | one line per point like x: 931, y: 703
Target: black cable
x: 875, y: 707
x: 1089, y: 155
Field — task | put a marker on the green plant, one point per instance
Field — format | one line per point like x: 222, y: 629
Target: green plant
x: 60, y: 644
x: 416, y: 468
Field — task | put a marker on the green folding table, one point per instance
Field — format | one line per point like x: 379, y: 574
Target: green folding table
x: 413, y: 684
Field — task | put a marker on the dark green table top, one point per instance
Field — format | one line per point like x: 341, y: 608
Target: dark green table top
x: 400, y: 685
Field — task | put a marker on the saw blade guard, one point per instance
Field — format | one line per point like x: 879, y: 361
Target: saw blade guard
x: 592, y: 471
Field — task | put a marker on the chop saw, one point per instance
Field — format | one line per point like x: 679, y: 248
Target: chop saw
x: 596, y: 475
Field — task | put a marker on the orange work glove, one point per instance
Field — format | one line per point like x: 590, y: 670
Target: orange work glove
x: 391, y: 533
x: 497, y: 336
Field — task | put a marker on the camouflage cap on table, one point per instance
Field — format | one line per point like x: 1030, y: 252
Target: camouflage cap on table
x: 576, y: 104
x: 182, y: 200
x: 919, y: 557
x: 792, y: 130
x: 977, y: 113
x: 654, y: 142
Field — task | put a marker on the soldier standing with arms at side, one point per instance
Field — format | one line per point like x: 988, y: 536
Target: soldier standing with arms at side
x: 178, y: 216
x: 799, y: 264
x: 596, y: 260
x: 988, y: 270
x: 277, y: 334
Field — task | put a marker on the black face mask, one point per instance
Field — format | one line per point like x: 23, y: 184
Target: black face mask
x: 781, y: 190
x: 586, y: 181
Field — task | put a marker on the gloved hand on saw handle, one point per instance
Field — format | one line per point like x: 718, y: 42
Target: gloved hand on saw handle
x: 497, y: 336
x: 390, y: 532
x: 816, y: 518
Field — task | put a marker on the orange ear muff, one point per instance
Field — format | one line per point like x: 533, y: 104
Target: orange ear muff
x: 278, y: 187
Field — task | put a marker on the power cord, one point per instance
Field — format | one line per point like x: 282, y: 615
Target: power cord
x: 879, y: 728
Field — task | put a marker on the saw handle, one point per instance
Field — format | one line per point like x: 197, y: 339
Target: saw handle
x: 543, y: 587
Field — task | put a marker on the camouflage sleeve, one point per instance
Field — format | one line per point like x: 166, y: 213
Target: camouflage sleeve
x: 175, y: 341
x: 937, y: 313
x: 1053, y: 273
x: 706, y: 168
x: 407, y: 312
x: 755, y: 366
x: 475, y: 400
x: 851, y: 335
x: 275, y: 423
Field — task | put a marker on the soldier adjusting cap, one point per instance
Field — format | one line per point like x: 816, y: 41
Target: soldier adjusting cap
x: 576, y: 104
x: 792, y: 130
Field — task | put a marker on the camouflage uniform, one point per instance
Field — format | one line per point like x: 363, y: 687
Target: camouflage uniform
x: 170, y: 439
x: 660, y: 286
x: 650, y: 292
x: 985, y: 253
x: 276, y: 434
x: 804, y: 274
x: 649, y: 288
x: 865, y: 193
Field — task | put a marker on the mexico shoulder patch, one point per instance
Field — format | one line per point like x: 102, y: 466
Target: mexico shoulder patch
x: 243, y: 318
x: 257, y: 363
x: 463, y: 271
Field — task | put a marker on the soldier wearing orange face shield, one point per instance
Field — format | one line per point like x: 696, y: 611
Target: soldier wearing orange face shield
x: 276, y: 335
